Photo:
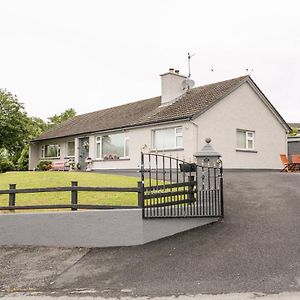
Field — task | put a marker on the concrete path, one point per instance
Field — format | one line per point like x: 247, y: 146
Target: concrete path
x: 256, y: 249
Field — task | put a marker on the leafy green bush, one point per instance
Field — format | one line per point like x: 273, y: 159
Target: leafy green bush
x: 23, y: 159
x: 44, y: 165
x: 294, y: 131
x: 6, y: 165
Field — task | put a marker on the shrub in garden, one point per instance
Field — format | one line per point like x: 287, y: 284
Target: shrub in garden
x: 44, y: 165
x: 23, y: 160
x: 6, y: 164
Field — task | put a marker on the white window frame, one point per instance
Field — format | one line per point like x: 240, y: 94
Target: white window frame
x: 73, y: 141
x: 99, y: 142
x: 248, y: 138
x: 176, y: 134
x: 43, y: 150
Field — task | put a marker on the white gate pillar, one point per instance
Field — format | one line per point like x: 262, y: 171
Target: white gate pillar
x: 207, y: 156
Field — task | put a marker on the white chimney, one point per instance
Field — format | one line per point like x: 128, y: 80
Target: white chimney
x: 172, y: 85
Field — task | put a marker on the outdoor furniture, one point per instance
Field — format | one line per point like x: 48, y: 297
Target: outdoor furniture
x: 288, y: 167
x: 296, y: 162
x: 58, y: 166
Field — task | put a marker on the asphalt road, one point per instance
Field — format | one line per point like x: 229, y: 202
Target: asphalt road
x: 256, y: 248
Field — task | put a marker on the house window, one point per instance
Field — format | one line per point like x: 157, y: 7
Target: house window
x: 71, y: 148
x: 111, y: 146
x: 245, y: 139
x: 51, y: 151
x: 168, y: 138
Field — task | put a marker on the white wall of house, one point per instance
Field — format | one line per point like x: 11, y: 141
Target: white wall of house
x: 243, y: 109
x: 139, y: 138
x: 34, y: 155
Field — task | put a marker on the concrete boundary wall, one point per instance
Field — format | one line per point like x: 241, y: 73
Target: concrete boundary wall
x: 101, y: 228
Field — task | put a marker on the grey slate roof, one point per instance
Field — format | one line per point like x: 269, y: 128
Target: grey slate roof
x: 149, y: 111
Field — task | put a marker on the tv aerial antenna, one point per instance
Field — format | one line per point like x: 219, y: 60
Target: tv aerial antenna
x: 189, y: 62
x: 187, y: 82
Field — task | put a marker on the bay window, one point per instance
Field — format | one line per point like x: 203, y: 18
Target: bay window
x: 167, y: 138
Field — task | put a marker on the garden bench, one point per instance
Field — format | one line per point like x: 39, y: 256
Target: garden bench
x: 58, y: 166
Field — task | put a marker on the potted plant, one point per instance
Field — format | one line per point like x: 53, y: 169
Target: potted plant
x: 188, y: 167
x: 88, y: 162
x: 71, y: 164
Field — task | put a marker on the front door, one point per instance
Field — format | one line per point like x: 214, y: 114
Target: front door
x: 83, y: 152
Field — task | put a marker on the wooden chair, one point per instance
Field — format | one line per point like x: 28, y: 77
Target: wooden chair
x: 296, y: 162
x: 288, y: 167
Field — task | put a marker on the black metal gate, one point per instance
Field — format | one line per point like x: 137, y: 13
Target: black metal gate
x: 174, y: 188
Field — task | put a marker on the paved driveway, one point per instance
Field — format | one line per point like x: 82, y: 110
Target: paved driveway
x: 256, y: 248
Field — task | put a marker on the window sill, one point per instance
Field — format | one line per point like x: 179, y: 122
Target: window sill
x: 245, y: 150
x: 49, y: 158
x: 166, y: 150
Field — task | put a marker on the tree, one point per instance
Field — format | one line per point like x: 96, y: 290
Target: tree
x: 293, y: 132
x: 64, y: 116
x: 17, y: 130
x: 13, y: 124
x: 5, y: 163
x: 36, y: 126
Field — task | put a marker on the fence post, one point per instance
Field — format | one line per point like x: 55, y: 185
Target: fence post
x: 222, y: 192
x: 12, y: 196
x: 141, y: 186
x: 191, y: 196
x: 141, y: 194
x: 74, y: 196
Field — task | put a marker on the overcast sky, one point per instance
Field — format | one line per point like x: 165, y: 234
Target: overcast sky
x: 91, y: 55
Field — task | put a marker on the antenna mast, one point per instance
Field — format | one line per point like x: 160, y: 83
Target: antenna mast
x: 189, y: 63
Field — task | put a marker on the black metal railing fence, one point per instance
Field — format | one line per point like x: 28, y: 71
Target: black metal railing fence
x: 175, y: 188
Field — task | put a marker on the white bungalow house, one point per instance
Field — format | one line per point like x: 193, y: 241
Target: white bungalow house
x: 244, y: 126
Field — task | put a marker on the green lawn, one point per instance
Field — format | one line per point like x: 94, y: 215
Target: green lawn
x: 59, y: 179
